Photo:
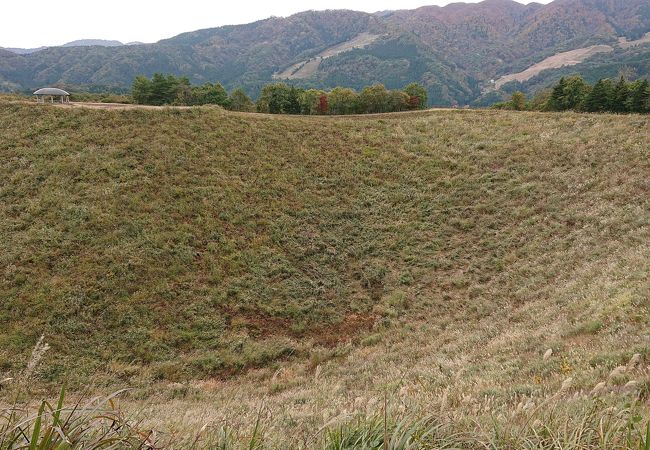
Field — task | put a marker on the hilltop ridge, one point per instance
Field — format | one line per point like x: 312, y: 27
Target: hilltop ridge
x: 76, y: 43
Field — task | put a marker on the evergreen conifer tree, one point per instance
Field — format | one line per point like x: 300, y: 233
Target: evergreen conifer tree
x: 556, y: 101
x: 620, y: 96
x: 600, y: 97
x: 292, y: 105
x: 639, y: 101
x: 575, y: 93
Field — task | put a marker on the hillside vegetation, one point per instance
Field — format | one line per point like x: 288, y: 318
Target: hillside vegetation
x: 633, y: 63
x: 574, y: 94
x: 298, y: 273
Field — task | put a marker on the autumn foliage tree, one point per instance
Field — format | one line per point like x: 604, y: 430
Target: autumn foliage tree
x: 323, y: 104
x: 418, y: 97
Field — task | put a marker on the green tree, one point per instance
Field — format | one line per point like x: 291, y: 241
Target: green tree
x: 575, y: 93
x: 163, y: 89
x: 600, y: 97
x: 183, y: 92
x: 239, y: 101
x: 374, y: 99
x: 210, y: 94
x: 418, y: 97
x: 343, y: 101
x: 518, y: 101
x: 639, y: 101
x: 274, y: 98
x: 556, y: 101
x: 141, y: 90
x: 160, y: 90
x: 620, y: 96
x: 309, y: 101
x: 398, y: 101
x: 292, y: 104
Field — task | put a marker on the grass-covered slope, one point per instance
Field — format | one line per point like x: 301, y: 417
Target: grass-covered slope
x: 199, y: 242
x: 429, y: 259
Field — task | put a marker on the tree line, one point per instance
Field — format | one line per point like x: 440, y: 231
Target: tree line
x: 575, y: 94
x: 279, y: 98
x: 170, y: 90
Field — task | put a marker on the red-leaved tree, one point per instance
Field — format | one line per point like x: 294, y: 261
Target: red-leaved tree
x: 323, y: 104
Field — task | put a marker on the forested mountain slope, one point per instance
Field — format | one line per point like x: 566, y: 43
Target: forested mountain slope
x: 454, y: 50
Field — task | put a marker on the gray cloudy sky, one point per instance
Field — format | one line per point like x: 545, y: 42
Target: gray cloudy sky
x: 24, y: 22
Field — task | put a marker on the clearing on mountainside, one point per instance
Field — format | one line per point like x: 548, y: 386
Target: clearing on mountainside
x: 570, y: 58
x: 305, y: 69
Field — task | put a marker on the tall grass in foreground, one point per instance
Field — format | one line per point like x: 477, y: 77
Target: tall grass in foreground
x: 580, y: 423
x: 594, y: 429
x: 99, y: 424
x: 95, y: 424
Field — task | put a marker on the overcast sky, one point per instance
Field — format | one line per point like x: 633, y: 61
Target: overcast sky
x: 25, y: 23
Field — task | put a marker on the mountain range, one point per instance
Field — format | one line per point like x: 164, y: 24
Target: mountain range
x: 77, y: 43
x: 457, y: 51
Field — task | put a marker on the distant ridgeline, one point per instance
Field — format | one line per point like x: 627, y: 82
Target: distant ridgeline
x: 279, y: 98
x: 573, y: 93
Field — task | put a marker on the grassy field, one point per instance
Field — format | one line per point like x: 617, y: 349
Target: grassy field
x: 306, y: 282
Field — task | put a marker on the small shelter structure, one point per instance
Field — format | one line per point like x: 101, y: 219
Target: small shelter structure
x: 52, y: 93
